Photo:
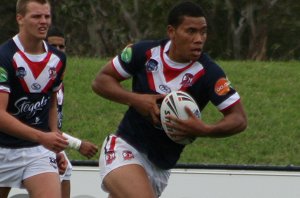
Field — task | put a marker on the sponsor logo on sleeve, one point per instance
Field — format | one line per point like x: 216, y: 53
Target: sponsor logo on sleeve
x: 3, y: 75
x: 222, y: 86
x: 126, y: 54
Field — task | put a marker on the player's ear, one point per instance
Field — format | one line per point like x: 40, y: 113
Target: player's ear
x: 170, y: 31
x: 19, y: 19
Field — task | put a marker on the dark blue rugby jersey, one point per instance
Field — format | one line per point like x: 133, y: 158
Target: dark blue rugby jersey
x: 153, y: 72
x: 30, y: 85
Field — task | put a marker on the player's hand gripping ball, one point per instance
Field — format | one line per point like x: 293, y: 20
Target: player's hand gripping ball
x: 174, y: 104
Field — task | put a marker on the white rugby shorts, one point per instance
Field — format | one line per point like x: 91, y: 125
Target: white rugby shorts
x: 116, y: 152
x: 68, y: 172
x: 19, y: 164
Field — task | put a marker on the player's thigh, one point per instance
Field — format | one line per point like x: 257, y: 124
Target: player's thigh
x: 4, y: 191
x: 43, y: 185
x: 128, y: 181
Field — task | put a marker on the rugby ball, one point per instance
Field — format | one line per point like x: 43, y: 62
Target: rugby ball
x: 174, y: 104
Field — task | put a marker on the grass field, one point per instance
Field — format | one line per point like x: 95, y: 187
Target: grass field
x: 269, y: 91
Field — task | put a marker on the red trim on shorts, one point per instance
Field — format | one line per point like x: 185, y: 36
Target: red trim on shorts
x: 112, y: 143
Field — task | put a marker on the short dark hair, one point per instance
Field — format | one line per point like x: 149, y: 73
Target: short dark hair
x: 55, y: 31
x: 21, y: 6
x: 186, y: 8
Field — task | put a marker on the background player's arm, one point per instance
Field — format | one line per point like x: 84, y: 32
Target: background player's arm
x: 85, y: 148
x: 53, y: 113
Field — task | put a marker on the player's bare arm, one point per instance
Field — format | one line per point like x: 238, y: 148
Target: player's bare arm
x: 234, y: 121
x: 9, y: 124
x: 145, y: 104
x: 62, y: 163
x: 88, y: 149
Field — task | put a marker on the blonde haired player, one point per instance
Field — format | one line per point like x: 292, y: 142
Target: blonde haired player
x: 30, y: 75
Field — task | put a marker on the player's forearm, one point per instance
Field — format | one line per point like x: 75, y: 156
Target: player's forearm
x: 227, y: 127
x: 11, y: 126
x: 114, y: 91
x: 234, y: 121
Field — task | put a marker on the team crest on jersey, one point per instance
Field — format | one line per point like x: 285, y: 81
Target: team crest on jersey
x: 127, y: 155
x: 126, y: 54
x: 187, y: 80
x: 151, y: 65
x: 165, y: 88
x: 3, y: 75
x: 52, y: 73
x: 21, y: 72
x: 222, y: 86
x: 110, y: 156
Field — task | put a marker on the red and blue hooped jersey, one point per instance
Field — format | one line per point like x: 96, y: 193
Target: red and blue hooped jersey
x: 30, y: 81
x: 153, y: 72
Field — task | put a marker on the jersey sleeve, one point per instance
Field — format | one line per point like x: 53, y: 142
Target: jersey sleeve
x: 4, y: 73
x: 60, y: 71
x: 221, y: 92
x: 132, y: 59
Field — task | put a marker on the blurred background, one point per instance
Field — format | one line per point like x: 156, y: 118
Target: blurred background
x: 239, y: 30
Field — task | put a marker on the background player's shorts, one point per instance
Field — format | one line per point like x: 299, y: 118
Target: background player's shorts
x: 116, y: 152
x: 19, y: 164
x: 68, y: 172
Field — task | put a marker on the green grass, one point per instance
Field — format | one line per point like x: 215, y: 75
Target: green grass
x: 269, y: 92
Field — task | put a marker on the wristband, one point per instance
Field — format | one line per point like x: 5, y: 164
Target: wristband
x: 73, y: 142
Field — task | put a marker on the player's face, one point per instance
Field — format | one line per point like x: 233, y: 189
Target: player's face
x: 36, y: 21
x: 57, y: 42
x: 188, y: 39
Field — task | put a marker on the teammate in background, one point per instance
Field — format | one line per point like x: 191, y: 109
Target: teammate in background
x: 137, y: 159
x: 57, y: 39
x: 30, y: 75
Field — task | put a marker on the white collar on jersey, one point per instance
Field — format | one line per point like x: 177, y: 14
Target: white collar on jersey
x: 169, y: 61
x: 32, y: 57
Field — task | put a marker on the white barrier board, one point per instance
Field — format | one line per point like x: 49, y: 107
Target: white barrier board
x: 198, y: 183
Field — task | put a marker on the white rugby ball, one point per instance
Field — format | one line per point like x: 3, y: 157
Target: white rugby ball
x: 174, y: 104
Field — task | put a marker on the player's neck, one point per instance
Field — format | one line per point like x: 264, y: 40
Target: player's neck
x: 31, y: 45
x: 173, y: 54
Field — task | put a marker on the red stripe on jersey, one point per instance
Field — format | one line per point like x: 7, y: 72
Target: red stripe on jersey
x: 195, y: 78
x: 22, y: 81
x: 150, y: 80
x: 149, y: 74
x: 169, y: 72
x: 3, y: 91
x: 36, y: 67
x: 50, y: 83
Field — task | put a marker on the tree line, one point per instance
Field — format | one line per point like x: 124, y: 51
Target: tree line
x: 241, y: 30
